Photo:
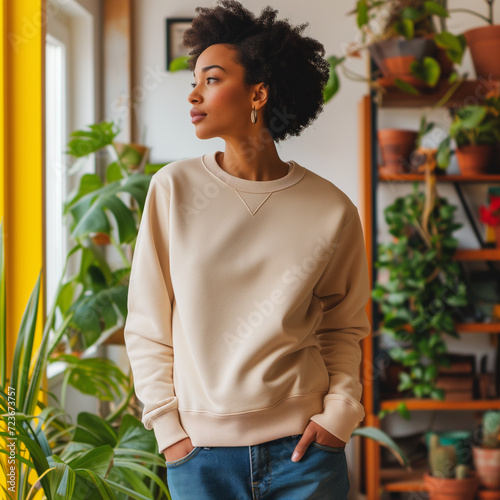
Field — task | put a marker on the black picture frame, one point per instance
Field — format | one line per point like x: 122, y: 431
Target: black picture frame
x: 175, y: 27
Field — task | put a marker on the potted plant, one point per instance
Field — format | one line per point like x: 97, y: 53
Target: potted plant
x: 423, y: 288
x: 403, y: 40
x: 484, y: 43
x: 52, y: 458
x: 476, y: 132
x: 423, y: 158
x: 487, y: 456
x: 448, y: 480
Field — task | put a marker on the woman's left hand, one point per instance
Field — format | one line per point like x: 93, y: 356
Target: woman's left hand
x: 314, y: 432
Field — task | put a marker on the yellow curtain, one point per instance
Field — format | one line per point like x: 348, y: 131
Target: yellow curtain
x: 22, y: 153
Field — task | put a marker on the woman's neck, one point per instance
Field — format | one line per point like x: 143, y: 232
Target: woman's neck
x: 252, y: 160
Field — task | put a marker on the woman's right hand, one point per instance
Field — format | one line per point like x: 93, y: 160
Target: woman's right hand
x: 178, y: 450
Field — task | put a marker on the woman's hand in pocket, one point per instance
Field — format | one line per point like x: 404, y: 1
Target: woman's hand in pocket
x: 178, y: 450
x: 314, y: 432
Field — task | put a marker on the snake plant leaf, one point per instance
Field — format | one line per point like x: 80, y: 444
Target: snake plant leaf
x: 385, y: 440
x: 436, y: 9
x: 85, y: 142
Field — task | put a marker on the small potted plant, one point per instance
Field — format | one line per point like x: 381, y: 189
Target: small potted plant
x: 484, y: 44
x: 476, y: 132
x: 403, y: 40
x: 436, y: 158
x: 447, y: 479
x: 487, y: 456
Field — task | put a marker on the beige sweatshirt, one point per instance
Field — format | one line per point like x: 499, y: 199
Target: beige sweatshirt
x: 246, y: 306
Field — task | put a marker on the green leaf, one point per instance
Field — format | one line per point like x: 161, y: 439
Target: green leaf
x: 436, y: 9
x: 427, y: 70
x: 411, y: 13
x: 98, y: 460
x: 179, y: 63
x: 405, y: 28
x: 113, y: 173
x: 362, y: 13
x: 85, y: 142
x: 94, y: 430
x: 385, y: 440
x: 406, y: 87
x: 403, y: 410
x: 333, y: 84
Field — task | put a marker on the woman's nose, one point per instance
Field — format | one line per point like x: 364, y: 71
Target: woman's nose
x: 194, y: 96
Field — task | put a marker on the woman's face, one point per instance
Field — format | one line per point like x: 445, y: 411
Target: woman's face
x: 221, y: 99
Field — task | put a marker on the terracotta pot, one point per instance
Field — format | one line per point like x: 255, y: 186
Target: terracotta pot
x: 484, y: 44
x: 487, y: 465
x: 439, y: 488
x: 395, y: 56
x: 474, y: 159
x: 396, y: 147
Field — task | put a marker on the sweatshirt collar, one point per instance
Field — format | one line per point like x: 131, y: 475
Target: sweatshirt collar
x: 292, y: 177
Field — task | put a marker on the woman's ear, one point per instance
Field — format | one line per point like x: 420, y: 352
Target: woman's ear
x: 260, y: 96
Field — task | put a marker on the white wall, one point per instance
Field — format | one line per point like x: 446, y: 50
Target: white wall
x: 329, y: 147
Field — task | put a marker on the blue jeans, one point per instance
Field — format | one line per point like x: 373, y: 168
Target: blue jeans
x: 261, y: 471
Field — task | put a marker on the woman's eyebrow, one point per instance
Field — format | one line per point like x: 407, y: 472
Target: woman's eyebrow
x: 206, y: 68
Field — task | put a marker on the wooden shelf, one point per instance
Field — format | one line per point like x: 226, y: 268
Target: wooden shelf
x: 478, y: 327
x: 396, y: 98
x: 433, y: 404
x: 440, y: 178
x: 480, y: 254
x: 402, y: 480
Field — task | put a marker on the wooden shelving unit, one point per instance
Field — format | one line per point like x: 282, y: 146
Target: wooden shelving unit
x: 376, y: 478
x: 433, y: 404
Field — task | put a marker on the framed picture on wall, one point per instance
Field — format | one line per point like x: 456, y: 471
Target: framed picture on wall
x: 175, y: 31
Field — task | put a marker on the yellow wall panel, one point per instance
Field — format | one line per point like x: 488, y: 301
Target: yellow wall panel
x: 23, y: 153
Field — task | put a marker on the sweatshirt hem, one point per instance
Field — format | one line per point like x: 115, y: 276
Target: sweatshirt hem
x: 287, y: 418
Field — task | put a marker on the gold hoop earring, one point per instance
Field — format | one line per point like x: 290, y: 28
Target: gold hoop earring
x: 253, y: 115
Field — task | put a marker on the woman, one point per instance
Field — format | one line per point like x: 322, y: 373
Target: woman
x: 249, y: 280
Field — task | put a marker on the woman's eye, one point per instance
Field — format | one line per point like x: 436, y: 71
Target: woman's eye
x: 211, y: 78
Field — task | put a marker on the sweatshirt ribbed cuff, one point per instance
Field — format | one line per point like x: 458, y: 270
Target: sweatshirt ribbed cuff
x: 168, y: 430
x: 339, y: 417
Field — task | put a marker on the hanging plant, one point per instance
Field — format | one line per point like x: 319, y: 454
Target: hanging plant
x: 424, y: 289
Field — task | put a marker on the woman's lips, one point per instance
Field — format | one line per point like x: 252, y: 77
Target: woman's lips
x: 196, y: 115
x: 197, y: 118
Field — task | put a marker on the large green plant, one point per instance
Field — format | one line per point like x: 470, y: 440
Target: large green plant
x: 111, y: 458
x: 423, y: 287
x: 96, y: 296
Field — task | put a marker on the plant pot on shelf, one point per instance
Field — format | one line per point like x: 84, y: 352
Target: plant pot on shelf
x: 396, y: 147
x: 442, y: 488
x: 474, y: 159
x: 487, y: 465
x: 100, y: 238
x: 133, y: 156
x: 484, y: 44
x: 394, y: 58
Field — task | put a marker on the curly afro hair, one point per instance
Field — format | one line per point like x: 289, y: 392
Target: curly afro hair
x: 271, y: 51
